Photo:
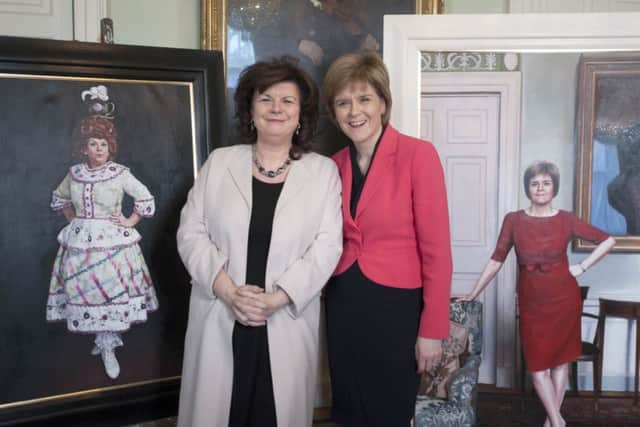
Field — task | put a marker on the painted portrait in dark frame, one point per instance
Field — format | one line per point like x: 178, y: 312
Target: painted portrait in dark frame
x: 169, y: 116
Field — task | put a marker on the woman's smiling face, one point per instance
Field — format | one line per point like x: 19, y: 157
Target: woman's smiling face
x: 358, y: 110
x: 276, y: 111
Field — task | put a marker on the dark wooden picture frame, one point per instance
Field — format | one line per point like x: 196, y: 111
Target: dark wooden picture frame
x: 608, y: 147
x: 170, y: 115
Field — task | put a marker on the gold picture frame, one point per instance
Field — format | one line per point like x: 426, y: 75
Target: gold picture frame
x: 316, y: 32
x: 214, y: 20
x: 608, y: 143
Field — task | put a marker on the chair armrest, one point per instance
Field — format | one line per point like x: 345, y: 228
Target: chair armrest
x: 462, y: 384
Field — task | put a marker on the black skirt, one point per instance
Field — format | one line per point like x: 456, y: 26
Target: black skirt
x: 371, y: 335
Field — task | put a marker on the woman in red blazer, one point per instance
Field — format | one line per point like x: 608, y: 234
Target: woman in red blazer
x: 388, y: 302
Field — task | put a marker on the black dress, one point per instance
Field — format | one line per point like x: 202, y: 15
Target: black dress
x: 371, y: 336
x: 252, y: 403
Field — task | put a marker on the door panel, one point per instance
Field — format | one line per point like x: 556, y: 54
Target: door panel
x: 465, y: 131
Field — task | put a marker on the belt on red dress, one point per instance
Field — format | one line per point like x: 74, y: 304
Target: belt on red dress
x: 543, y: 267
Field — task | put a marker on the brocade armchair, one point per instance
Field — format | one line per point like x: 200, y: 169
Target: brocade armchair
x: 459, y: 409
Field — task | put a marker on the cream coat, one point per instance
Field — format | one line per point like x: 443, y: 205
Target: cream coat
x: 306, y: 244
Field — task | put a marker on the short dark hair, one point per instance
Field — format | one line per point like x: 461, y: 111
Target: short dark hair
x: 258, y: 78
x: 365, y: 67
x: 542, y: 167
x: 99, y: 127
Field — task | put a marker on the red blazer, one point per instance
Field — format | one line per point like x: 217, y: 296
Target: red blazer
x: 400, y: 234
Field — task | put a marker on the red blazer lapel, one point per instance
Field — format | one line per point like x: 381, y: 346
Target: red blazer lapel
x: 343, y: 161
x: 379, y: 170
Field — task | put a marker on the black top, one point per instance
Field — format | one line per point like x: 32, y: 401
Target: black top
x: 357, y: 178
x: 252, y: 401
x: 264, y: 199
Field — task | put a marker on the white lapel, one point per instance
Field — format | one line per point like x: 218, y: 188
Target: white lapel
x: 286, y: 211
x: 295, y: 182
x: 240, y: 169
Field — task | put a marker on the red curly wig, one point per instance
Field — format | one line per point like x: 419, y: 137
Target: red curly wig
x: 95, y: 127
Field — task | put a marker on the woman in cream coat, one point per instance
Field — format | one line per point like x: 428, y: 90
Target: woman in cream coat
x: 305, y: 245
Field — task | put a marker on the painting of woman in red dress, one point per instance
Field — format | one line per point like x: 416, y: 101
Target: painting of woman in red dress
x: 549, y: 298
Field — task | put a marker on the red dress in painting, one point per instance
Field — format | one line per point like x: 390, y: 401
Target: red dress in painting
x: 548, y: 295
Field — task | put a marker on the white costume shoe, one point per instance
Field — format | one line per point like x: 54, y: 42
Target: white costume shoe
x: 110, y: 363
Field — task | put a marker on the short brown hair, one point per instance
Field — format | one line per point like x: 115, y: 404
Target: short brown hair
x: 95, y: 127
x: 364, y: 67
x: 258, y: 78
x: 542, y: 167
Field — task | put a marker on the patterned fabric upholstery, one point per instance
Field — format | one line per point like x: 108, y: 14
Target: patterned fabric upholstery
x: 459, y: 409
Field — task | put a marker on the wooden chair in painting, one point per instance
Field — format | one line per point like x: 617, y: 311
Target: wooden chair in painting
x: 629, y: 310
x: 590, y: 351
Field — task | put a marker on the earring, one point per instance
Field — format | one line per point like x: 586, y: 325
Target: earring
x: 252, y: 127
x: 298, y: 129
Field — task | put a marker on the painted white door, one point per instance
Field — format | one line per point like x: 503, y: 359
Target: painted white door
x: 465, y: 130
x: 52, y: 19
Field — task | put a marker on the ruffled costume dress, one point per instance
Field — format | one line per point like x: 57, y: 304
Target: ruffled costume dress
x: 100, y: 281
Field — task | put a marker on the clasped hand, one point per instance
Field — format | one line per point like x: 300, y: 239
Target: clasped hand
x: 252, y: 306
